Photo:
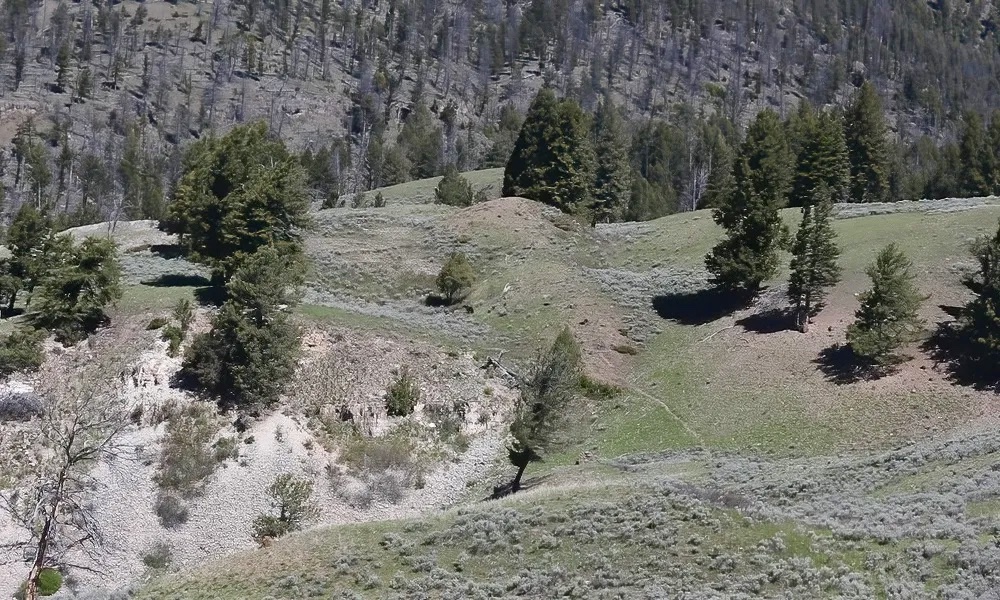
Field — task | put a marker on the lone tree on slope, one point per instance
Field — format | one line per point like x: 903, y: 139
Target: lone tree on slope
x: 814, y: 261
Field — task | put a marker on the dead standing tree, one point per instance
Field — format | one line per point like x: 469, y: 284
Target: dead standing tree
x: 81, y: 426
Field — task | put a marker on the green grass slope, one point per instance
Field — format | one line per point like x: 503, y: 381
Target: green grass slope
x: 714, y: 389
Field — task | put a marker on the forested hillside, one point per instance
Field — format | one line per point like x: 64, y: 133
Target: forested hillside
x: 99, y: 99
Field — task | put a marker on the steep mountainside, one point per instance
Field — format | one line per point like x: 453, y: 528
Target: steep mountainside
x: 116, y: 90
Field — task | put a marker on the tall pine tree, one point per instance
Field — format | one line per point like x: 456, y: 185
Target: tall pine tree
x: 769, y: 158
x: 866, y: 134
x: 979, y: 322
x: 887, y: 318
x: 814, y: 259
x: 613, y: 174
x: 748, y: 255
x: 553, y: 159
x: 976, y: 154
x: 820, y: 156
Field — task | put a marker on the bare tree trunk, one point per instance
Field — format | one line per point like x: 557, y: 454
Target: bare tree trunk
x: 802, y: 316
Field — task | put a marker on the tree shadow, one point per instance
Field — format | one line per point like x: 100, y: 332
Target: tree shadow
x: 769, y: 321
x: 842, y: 366
x: 699, y: 307
x: 210, y: 295
x: 436, y: 301
x: 178, y: 280
x: 951, y: 348
x: 168, y: 251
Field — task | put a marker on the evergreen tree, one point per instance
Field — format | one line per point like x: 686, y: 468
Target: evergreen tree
x: 75, y: 293
x: 453, y: 189
x: 866, y: 134
x: 748, y: 255
x: 820, y: 156
x: 814, y: 259
x: 613, y: 174
x: 887, y: 318
x: 238, y: 193
x: 25, y: 240
x: 979, y: 322
x: 62, y: 67
x: 552, y: 161
x: 249, y: 354
x: 547, y: 391
x: 456, y: 275
x: 421, y: 142
x: 769, y: 159
x: 977, y: 158
x: 504, y: 136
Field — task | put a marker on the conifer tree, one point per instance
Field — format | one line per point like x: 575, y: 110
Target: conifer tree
x: 250, y: 353
x: 553, y: 160
x: 814, y: 259
x: 979, y: 322
x: 887, y: 318
x: 820, y: 156
x: 238, y: 193
x: 866, y: 134
x: 977, y: 158
x: 769, y: 158
x: 545, y: 394
x: 422, y: 142
x: 613, y: 174
x: 453, y: 189
x: 748, y: 255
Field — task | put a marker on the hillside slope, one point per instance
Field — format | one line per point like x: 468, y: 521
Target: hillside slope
x: 736, y: 463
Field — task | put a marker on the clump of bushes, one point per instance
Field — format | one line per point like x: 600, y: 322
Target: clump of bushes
x: 16, y: 406
x: 157, y: 323
x: 453, y: 189
x: 291, y: 499
x: 171, y: 510
x: 158, y: 556
x: 174, y: 332
x: 455, y: 277
x: 21, y: 351
x: 188, y: 458
x: 49, y: 582
x: 403, y: 394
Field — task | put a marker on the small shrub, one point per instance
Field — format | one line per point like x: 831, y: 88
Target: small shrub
x: 21, y: 351
x: 403, y: 395
x: 598, y: 389
x: 158, y: 556
x: 453, y: 189
x: 174, y: 336
x: 291, y: 497
x: 187, y: 458
x: 171, y: 510
x: 16, y: 406
x: 456, y: 276
x: 157, y: 323
x: 184, y: 314
x: 379, y: 200
x: 358, y: 200
x: 49, y: 582
x: 225, y: 448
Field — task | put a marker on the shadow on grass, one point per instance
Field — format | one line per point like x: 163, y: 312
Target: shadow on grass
x: 952, y: 348
x: 436, y: 301
x: 769, y: 321
x: 842, y: 366
x: 700, y: 307
x: 167, y: 251
x: 178, y: 280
